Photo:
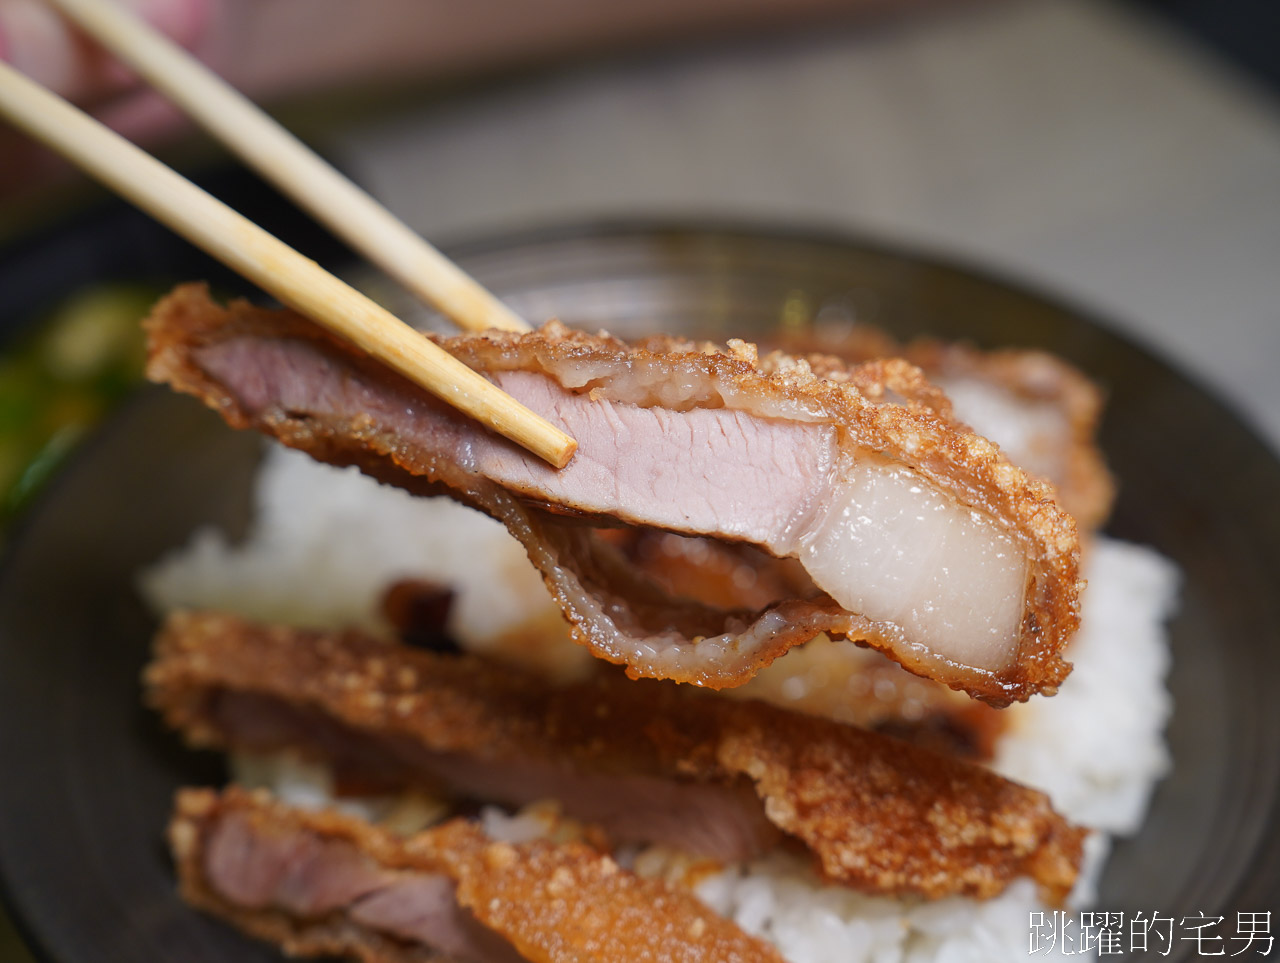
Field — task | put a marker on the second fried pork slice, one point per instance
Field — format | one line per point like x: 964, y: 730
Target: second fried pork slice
x: 924, y: 540
x: 326, y: 884
x: 649, y: 762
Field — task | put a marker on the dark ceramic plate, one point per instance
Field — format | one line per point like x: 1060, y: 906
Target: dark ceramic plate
x: 87, y: 775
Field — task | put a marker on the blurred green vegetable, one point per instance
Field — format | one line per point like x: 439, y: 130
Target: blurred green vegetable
x: 59, y: 381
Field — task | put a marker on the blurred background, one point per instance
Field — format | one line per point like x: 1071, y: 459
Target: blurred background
x: 1123, y: 153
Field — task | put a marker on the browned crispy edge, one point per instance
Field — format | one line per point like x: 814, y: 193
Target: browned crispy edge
x: 919, y: 433
x: 1088, y: 490
x: 555, y: 903
x: 878, y: 814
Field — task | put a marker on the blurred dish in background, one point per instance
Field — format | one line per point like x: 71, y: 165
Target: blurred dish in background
x: 59, y: 381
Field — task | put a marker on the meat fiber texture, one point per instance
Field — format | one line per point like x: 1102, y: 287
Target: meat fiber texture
x: 650, y: 761
x: 926, y: 542
x: 325, y: 884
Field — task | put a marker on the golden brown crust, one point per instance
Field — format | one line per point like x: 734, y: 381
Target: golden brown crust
x: 918, y: 433
x: 931, y: 823
x: 879, y: 815
x: 1085, y: 487
x: 555, y: 903
x: 461, y: 704
x: 569, y: 902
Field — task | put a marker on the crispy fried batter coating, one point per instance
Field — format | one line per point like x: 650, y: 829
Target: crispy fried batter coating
x: 896, y: 820
x: 877, y: 814
x: 884, y: 410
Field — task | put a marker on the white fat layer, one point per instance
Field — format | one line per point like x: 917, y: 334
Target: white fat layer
x: 896, y: 550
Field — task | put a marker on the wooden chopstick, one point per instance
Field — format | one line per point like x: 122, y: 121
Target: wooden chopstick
x: 271, y: 264
x: 292, y: 166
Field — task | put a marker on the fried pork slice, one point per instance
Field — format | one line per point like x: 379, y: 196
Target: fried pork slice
x: 646, y: 761
x: 323, y: 884
x: 1040, y: 410
x: 924, y: 541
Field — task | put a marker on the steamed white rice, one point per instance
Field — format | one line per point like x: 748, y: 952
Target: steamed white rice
x: 326, y: 543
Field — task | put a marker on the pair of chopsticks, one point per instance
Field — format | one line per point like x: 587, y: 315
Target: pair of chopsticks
x: 247, y: 249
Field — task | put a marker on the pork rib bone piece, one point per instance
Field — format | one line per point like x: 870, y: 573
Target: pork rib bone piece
x: 928, y: 544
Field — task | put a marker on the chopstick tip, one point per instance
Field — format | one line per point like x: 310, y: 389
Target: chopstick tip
x: 564, y: 454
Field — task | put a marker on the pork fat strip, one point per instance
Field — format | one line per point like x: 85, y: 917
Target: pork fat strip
x: 322, y: 883
x: 1040, y: 410
x: 648, y: 761
x: 926, y: 541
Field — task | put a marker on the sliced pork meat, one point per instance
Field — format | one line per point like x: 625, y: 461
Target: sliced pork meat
x: 1040, y: 410
x: 649, y: 762
x: 325, y: 884
x: 922, y: 539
